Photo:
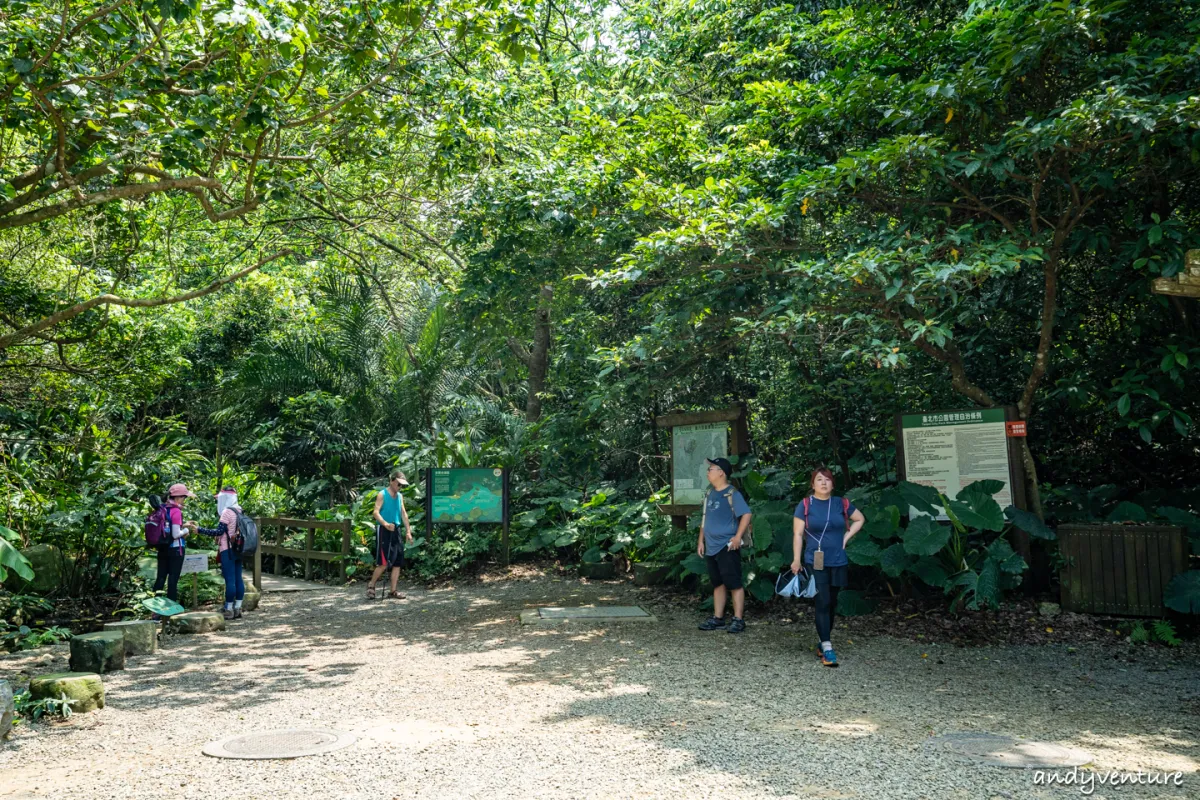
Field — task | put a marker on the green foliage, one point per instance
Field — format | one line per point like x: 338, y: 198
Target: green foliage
x: 1160, y: 631
x: 11, y: 558
x: 28, y: 708
x: 1183, y: 593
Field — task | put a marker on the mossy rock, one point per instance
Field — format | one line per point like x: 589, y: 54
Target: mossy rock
x: 141, y: 635
x: 253, y: 596
x: 84, y: 690
x: 100, y: 652
x: 50, y: 568
x: 197, y: 622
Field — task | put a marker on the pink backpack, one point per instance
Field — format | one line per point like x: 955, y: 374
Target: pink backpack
x: 158, y: 523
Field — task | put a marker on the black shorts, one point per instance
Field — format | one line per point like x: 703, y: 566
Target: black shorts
x: 725, y: 568
x: 389, y: 547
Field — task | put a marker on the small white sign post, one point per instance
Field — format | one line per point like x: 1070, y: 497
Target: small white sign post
x: 193, y: 564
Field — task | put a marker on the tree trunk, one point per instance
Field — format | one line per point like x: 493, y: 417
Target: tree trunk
x: 538, y: 358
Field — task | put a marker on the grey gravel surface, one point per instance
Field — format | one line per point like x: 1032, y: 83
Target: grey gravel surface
x: 451, y: 697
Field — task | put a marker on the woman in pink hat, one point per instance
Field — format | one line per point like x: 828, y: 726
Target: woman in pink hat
x: 170, y: 554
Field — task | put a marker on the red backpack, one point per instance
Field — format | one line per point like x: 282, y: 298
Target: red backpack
x: 158, y: 524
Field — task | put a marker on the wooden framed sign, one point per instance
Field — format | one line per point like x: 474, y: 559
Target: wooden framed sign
x: 697, y: 436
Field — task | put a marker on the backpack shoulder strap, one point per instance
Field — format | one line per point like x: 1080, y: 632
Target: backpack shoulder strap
x: 846, y: 511
x: 729, y: 497
x: 805, y: 504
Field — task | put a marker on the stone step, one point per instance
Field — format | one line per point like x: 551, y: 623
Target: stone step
x: 84, y: 690
x: 100, y: 652
x: 197, y: 622
x: 252, y: 598
x: 141, y: 635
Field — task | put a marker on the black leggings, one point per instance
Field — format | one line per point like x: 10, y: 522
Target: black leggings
x: 826, y: 604
x: 170, y: 564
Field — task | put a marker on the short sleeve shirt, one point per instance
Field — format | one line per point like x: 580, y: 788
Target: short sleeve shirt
x: 720, y: 518
x: 826, y: 526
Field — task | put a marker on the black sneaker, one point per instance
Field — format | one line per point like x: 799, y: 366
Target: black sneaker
x: 712, y: 624
x: 737, y: 625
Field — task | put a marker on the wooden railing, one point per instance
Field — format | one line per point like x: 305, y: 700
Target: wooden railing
x: 308, y: 554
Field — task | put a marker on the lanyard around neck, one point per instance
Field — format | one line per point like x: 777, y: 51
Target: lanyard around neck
x: 828, y: 514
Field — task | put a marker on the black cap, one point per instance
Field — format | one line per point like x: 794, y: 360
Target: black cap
x: 723, y: 463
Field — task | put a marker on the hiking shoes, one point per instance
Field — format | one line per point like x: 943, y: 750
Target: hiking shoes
x: 829, y: 658
x: 712, y: 624
x: 229, y: 614
x: 736, y: 625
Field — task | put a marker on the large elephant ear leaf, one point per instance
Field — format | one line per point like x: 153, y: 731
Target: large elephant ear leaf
x: 882, y: 523
x: 894, y: 560
x: 1127, y: 512
x: 923, y: 498
x: 1006, y: 559
x: 987, y: 588
x: 978, y: 511
x: 11, y: 558
x: 931, y: 572
x: 1029, y: 522
x: 925, y: 536
x: 1183, y: 593
x: 985, y: 487
x: 864, y: 551
x: 1184, y: 519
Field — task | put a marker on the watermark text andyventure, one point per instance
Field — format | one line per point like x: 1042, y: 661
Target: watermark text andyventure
x: 1086, y: 780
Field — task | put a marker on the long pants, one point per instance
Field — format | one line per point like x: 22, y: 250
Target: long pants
x: 231, y: 571
x: 170, y: 565
x: 826, y: 604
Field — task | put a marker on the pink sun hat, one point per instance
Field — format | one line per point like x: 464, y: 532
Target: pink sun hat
x: 178, y: 490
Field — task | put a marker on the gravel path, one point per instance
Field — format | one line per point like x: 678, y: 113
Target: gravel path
x: 452, y: 698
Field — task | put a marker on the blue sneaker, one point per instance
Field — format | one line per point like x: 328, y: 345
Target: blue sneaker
x: 712, y: 624
x: 736, y: 625
x: 829, y: 658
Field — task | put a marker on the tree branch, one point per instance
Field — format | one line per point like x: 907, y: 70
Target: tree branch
x: 132, y: 302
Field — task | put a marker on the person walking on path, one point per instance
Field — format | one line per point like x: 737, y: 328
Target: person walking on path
x: 389, y: 547
x: 170, y: 553
x: 725, y: 520
x: 228, y: 555
x: 822, y: 526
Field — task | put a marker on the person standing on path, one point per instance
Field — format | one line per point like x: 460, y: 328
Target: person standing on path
x: 724, y: 523
x: 389, y: 547
x: 170, y: 553
x: 822, y: 526
x: 230, y: 559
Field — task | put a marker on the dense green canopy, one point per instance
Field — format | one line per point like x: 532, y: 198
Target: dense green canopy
x: 291, y: 244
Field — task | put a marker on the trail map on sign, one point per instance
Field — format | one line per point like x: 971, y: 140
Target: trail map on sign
x: 467, y: 495
x: 691, y: 446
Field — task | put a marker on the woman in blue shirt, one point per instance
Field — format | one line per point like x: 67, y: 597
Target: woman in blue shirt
x: 822, y: 526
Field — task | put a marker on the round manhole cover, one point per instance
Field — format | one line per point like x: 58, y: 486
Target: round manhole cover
x: 1007, y: 751
x: 291, y: 743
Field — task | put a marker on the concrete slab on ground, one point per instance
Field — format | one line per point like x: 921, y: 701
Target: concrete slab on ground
x: 281, y: 583
x: 556, y: 614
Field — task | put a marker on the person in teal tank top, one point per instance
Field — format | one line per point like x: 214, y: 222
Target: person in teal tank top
x: 389, y: 546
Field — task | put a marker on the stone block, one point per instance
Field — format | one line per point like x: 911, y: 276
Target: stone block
x: 650, y: 573
x: 99, y: 652
x: 1049, y: 610
x: 598, y: 570
x: 197, y: 622
x: 7, y: 708
x: 84, y: 690
x: 250, y: 601
x: 141, y: 636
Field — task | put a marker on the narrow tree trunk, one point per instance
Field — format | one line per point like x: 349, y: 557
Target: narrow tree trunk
x: 537, y: 360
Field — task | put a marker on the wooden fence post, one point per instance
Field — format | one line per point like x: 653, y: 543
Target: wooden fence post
x: 309, y: 544
x: 345, y: 548
x: 278, y: 558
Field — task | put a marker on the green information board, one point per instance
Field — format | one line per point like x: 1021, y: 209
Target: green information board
x: 465, y: 496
